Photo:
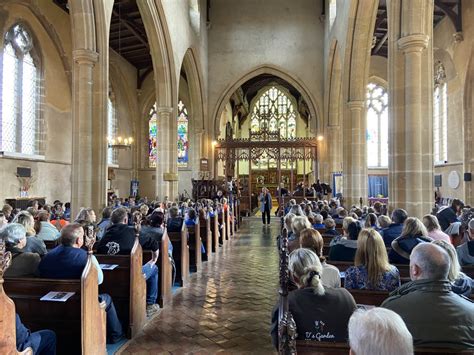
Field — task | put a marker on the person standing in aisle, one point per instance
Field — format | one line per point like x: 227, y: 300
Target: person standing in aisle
x: 265, y: 205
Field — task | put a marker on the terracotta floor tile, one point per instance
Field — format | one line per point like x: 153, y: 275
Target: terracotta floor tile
x: 226, y: 309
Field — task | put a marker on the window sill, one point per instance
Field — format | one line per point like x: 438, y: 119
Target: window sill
x: 442, y: 164
x: 22, y: 156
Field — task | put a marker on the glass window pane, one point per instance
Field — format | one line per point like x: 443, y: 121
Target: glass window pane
x: 377, y: 126
x: 152, y: 137
x: 183, y: 140
x: 9, y: 94
x: 28, y: 106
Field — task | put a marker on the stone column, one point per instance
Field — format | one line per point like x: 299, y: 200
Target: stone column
x: 355, y: 154
x: 164, y: 163
x: 411, y: 105
x: 82, y: 172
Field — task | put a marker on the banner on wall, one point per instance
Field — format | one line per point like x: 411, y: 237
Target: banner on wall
x: 134, y: 187
x: 337, y: 184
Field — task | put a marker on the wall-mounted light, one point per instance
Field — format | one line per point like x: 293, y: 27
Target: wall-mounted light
x: 320, y: 138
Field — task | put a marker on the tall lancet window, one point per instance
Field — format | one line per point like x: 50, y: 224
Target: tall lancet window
x: 183, y: 139
x: 19, y: 107
x: 112, y: 154
x: 440, y: 115
x: 152, y: 137
x: 377, y: 126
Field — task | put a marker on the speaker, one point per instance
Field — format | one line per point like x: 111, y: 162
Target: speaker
x: 438, y: 180
x: 23, y: 172
x: 467, y: 176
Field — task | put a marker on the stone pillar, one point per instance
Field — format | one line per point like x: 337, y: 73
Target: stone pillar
x: 165, y: 175
x: 355, y: 154
x: 334, y: 151
x: 411, y: 105
x: 82, y: 172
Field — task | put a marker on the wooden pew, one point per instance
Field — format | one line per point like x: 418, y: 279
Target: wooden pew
x: 214, y: 233
x: 195, y: 254
x: 223, y: 228
x: 166, y: 273
x: 206, y: 236
x: 344, y: 265
x: 127, y: 287
x: 228, y: 226
x: 180, y: 254
x: 79, y: 323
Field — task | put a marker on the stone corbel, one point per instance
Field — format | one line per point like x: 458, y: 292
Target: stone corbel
x: 413, y: 43
x: 356, y: 105
x: 164, y: 110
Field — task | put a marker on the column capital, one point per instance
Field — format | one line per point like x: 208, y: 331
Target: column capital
x: 164, y: 110
x: 85, y: 56
x: 413, y: 43
x: 356, y: 104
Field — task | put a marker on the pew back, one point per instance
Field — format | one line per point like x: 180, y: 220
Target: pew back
x: 180, y: 254
x: 206, y: 236
x: 195, y: 257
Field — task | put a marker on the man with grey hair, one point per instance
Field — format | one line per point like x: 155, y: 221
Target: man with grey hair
x: 466, y: 250
x: 435, y: 316
x: 23, y: 263
x: 379, y: 331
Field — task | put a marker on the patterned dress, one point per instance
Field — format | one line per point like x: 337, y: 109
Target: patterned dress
x: 357, y: 278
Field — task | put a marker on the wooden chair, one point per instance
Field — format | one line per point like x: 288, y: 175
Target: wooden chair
x: 195, y: 254
x: 79, y: 323
x: 180, y: 254
x: 127, y: 287
x: 206, y: 237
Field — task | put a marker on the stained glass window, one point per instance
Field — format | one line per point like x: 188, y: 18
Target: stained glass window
x: 152, y: 137
x: 440, y: 116
x: 273, y: 111
x: 112, y: 155
x: 19, y: 93
x: 377, y: 126
x: 183, y: 139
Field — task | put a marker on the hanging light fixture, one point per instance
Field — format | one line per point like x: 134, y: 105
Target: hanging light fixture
x: 119, y: 142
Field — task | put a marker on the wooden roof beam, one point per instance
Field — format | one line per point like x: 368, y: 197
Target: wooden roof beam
x: 132, y: 28
x: 456, y: 18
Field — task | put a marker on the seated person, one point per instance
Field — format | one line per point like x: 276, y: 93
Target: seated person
x: 330, y: 226
x: 371, y: 221
x: 119, y: 240
x: 384, y: 222
x: 341, y: 213
x: 67, y: 261
x: 23, y: 263
x: 154, y: 228
x: 312, y: 240
x: 42, y: 342
x: 433, y: 313
x: 413, y: 233
x: 320, y: 313
x: 7, y: 211
x: 466, y: 251
x: 191, y: 217
x: 44, y: 229
x: 33, y: 244
x: 450, y: 214
x: 345, y: 231
x: 345, y: 248
x: 454, y: 233
x: 299, y: 223
x: 434, y: 229
x: 318, y: 222
x: 460, y: 282
x: 379, y: 331
x: 372, y: 270
x: 104, y: 222
x: 59, y: 219
x: 3, y: 220
x: 175, y: 222
x: 394, y: 230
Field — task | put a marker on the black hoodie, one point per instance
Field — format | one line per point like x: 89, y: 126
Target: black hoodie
x: 119, y: 239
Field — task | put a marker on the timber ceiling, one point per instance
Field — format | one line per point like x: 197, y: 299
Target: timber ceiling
x: 127, y: 34
x: 450, y: 8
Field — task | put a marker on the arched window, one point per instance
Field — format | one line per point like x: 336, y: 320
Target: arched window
x: 112, y: 155
x: 377, y: 126
x: 274, y: 111
x: 332, y: 12
x: 195, y: 15
x: 152, y: 137
x: 440, y: 116
x: 20, y: 93
x: 183, y: 139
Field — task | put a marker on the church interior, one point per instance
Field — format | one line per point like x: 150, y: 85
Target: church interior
x: 318, y: 199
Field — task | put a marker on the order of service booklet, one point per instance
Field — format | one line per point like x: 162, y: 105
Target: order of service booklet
x: 57, y: 296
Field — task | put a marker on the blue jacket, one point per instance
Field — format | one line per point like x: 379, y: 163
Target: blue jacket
x: 446, y: 217
x: 402, y: 247
x: 391, y: 233
x: 174, y: 224
x: 262, y: 201
x: 63, y: 263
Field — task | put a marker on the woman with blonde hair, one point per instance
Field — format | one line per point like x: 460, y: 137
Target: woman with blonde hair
x: 312, y: 240
x: 298, y: 224
x: 413, y: 233
x: 320, y: 313
x: 372, y: 270
x: 434, y: 229
x: 33, y: 244
x: 460, y: 282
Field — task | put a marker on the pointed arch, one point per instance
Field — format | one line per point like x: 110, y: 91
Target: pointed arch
x: 314, y: 108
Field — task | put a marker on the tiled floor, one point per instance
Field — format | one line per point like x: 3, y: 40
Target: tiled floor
x: 227, y: 306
